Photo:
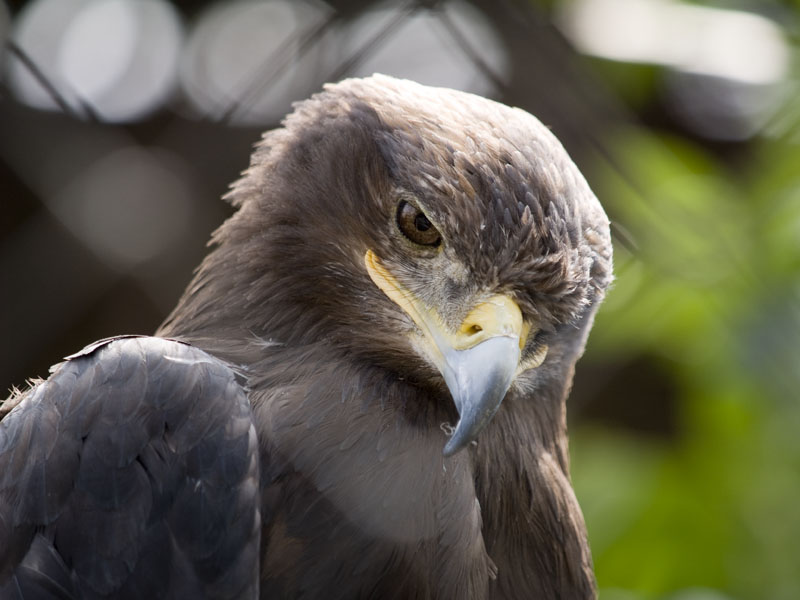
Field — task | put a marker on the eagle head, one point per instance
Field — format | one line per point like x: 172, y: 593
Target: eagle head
x: 444, y: 238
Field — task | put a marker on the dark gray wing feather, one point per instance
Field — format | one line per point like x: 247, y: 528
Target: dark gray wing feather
x: 132, y: 472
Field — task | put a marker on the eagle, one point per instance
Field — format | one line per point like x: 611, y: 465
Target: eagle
x: 361, y: 393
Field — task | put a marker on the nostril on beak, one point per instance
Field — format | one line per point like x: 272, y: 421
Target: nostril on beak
x: 473, y: 329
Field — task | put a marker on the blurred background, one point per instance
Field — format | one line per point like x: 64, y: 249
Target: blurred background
x: 123, y: 121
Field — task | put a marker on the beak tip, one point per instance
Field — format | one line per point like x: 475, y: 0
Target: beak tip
x: 450, y: 448
x: 462, y: 437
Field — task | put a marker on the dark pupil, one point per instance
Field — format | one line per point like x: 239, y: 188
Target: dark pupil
x: 421, y: 222
x: 413, y: 224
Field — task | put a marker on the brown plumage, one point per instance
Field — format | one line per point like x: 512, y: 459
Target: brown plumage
x: 341, y: 330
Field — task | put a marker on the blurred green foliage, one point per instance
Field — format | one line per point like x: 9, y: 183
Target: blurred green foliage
x: 711, y: 293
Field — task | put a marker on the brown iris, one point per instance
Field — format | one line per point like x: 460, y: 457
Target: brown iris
x: 415, y: 225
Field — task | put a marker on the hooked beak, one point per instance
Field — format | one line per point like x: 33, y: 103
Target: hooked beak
x: 479, y: 361
x: 478, y: 379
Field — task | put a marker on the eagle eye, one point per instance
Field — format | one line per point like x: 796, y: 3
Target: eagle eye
x: 413, y: 224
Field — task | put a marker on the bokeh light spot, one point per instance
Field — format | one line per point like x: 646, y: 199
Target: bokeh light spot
x: 129, y: 207
x: 115, y: 59
x: 235, y: 46
x: 121, y: 56
x: 423, y: 50
x: 38, y: 29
